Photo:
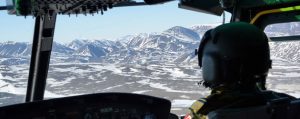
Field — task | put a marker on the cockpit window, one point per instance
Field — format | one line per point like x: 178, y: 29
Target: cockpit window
x: 285, y: 72
x: 15, y: 52
x: 283, y: 29
x: 144, y: 50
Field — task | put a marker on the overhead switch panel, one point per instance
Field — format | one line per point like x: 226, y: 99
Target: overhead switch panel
x: 66, y: 7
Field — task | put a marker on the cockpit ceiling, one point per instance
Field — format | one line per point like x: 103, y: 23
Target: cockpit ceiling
x: 264, y: 3
x: 214, y: 7
x: 77, y: 6
x: 73, y: 1
x: 278, y: 1
x: 38, y: 7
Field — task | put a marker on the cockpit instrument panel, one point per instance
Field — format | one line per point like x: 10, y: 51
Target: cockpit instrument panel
x: 94, y: 106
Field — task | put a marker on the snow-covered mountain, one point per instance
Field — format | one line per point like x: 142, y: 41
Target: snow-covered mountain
x: 283, y: 29
x: 202, y: 28
x: 14, y: 49
x: 58, y: 48
x: 159, y: 47
x: 93, y: 49
x: 176, y: 44
x: 155, y: 47
x: 76, y: 44
x: 155, y: 71
x: 23, y: 49
x: 286, y: 50
x: 182, y: 33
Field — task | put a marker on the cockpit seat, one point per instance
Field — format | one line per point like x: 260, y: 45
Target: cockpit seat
x: 281, y: 108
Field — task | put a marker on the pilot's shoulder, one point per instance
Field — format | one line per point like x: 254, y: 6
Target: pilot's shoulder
x: 271, y: 95
x: 198, y: 104
x: 281, y: 95
x: 195, y: 109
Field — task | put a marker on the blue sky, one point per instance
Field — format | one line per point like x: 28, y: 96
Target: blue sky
x: 115, y: 23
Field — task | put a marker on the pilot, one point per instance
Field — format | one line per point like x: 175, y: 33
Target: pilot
x: 235, y: 59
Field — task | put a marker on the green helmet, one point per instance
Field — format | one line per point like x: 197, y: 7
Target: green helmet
x: 234, y: 53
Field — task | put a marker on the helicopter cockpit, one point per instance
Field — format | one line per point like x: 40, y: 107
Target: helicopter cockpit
x: 127, y: 105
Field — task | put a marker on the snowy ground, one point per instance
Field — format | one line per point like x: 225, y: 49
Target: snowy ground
x: 177, y: 83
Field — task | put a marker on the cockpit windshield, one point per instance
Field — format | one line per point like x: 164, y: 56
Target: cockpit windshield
x: 145, y: 50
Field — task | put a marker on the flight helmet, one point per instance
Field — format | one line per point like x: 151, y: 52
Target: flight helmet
x: 234, y: 53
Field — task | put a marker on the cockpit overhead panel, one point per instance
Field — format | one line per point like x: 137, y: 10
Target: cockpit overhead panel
x: 66, y: 7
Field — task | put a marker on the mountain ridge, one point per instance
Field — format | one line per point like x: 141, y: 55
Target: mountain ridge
x: 176, y: 44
